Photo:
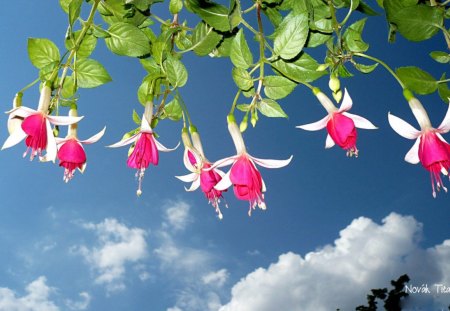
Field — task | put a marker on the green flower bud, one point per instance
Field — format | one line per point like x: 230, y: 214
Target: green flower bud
x: 244, y: 123
x: 337, y: 96
x: 334, y: 83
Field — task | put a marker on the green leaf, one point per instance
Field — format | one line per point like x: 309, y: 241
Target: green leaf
x: 271, y: 108
x: 86, y: 47
x: 69, y: 89
x: 419, y: 22
x: 444, y: 91
x: 417, y: 80
x: 114, y: 11
x: 150, y: 65
x: 65, y: 5
x: 136, y: 118
x: 274, y: 16
x: 242, y: 79
x: 90, y: 73
x: 42, y: 52
x: 353, y: 39
x: 176, y: 72
x: 175, y: 6
x: 127, y: 40
x: 276, y: 87
x: 46, y: 72
x: 365, y: 68
x: 204, y: 39
x: 234, y: 14
x: 243, y: 107
x: 74, y: 11
x: 173, y: 110
x: 291, y: 36
x: 240, y: 53
x: 304, y: 69
x: 213, y: 14
x: 440, y: 57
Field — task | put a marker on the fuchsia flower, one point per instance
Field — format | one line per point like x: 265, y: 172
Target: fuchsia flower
x: 36, y: 128
x: 341, y: 125
x: 202, y: 174
x: 430, y: 147
x: 71, y: 153
x: 145, y: 151
x: 243, y: 175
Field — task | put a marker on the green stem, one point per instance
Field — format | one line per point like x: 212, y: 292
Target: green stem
x: 334, y: 21
x: 29, y: 85
x: 308, y: 85
x: 443, y: 81
x: 379, y: 61
x: 184, y: 107
x: 348, y: 14
x: 249, y: 9
x: 445, y: 3
x: 233, y: 107
x: 261, y: 40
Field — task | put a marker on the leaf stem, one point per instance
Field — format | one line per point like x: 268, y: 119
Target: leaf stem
x: 348, y: 14
x: 29, y: 85
x: 261, y: 40
x: 443, y: 81
x: 249, y: 9
x: 233, y: 107
x: 379, y: 61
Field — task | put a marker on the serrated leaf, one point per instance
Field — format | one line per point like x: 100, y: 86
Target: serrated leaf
x: 150, y: 65
x: 74, y: 11
x: 277, y: 87
x: 271, y: 108
x: 444, y: 91
x: 274, y: 16
x: 65, y: 5
x: 418, y: 22
x: 90, y: 73
x: 240, y: 53
x: 304, y: 69
x: 417, y: 80
x: 353, y: 37
x: 173, y: 110
x: 291, y: 36
x: 242, y: 79
x: 440, y: 57
x: 114, y: 11
x: 127, y: 40
x: 234, y: 13
x: 42, y: 52
x: 46, y: 72
x: 204, y: 39
x: 176, y: 72
x: 86, y: 47
x: 243, y: 107
x: 365, y: 68
x: 213, y: 14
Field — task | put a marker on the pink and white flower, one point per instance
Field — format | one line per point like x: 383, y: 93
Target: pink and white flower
x: 202, y: 175
x: 36, y: 128
x: 71, y: 153
x: 145, y: 151
x: 243, y: 175
x: 341, y: 125
x: 430, y: 148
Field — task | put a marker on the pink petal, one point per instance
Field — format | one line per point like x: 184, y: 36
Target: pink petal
x: 360, y: 122
x: 72, y: 152
x: 342, y: 130
x: 346, y: 102
x: 413, y: 154
x: 315, y: 126
x: 269, y: 163
x: 402, y: 128
x: 94, y: 138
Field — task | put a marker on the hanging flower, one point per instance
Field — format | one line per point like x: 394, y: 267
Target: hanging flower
x: 71, y: 153
x: 145, y: 151
x: 202, y: 175
x: 341, y: 125
x: 244, y: 176
x: 430, y: 147
x: 36, y: 128
x: 15, y: 122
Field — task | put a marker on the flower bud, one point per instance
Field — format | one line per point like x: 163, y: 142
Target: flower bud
x: 244, y: 123
x: 337, y: 96
x: 254, y: 119
x: 334, y: 83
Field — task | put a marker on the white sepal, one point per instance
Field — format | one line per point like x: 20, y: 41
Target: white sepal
x: 413, y: 154
x: 224, y: 183
x: 329, y: 142
x: 51, y: 149
x: 63, y: 120
x: 360, y: 122
x: 315, y: 126
x: 94, y: 138
x: 347, y: 102
x: 162, y: 148
x: 194, y: 186
x: 188, y: 178
x: 444, y: 127
x: 402, y: 128
x: 269, y: 163
x: 126, y: 141
x: 16, y: 137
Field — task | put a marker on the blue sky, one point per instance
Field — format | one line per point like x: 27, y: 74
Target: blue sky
x: 335, y: 227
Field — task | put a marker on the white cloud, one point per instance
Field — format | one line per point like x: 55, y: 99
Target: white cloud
x: 117, y: 246
x: 365, y: 256
x: 177, y: 215
x: 216, y: 278
x: 82, y: 304
x: 36, y: 298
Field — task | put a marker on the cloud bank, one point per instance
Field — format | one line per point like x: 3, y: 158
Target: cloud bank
x: 365, y: 256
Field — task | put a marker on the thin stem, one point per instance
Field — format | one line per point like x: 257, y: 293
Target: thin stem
x: 261, y: 40
x: 233, y: 107
x: 445, y: 3
x: 348, y: 14
x: 252, y: 8
x: 379, y: 61
x: 308, y: 85
x: 334, y: 21
x: 443, y: 81
x: 184, y: 107
x: 29, y: 85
